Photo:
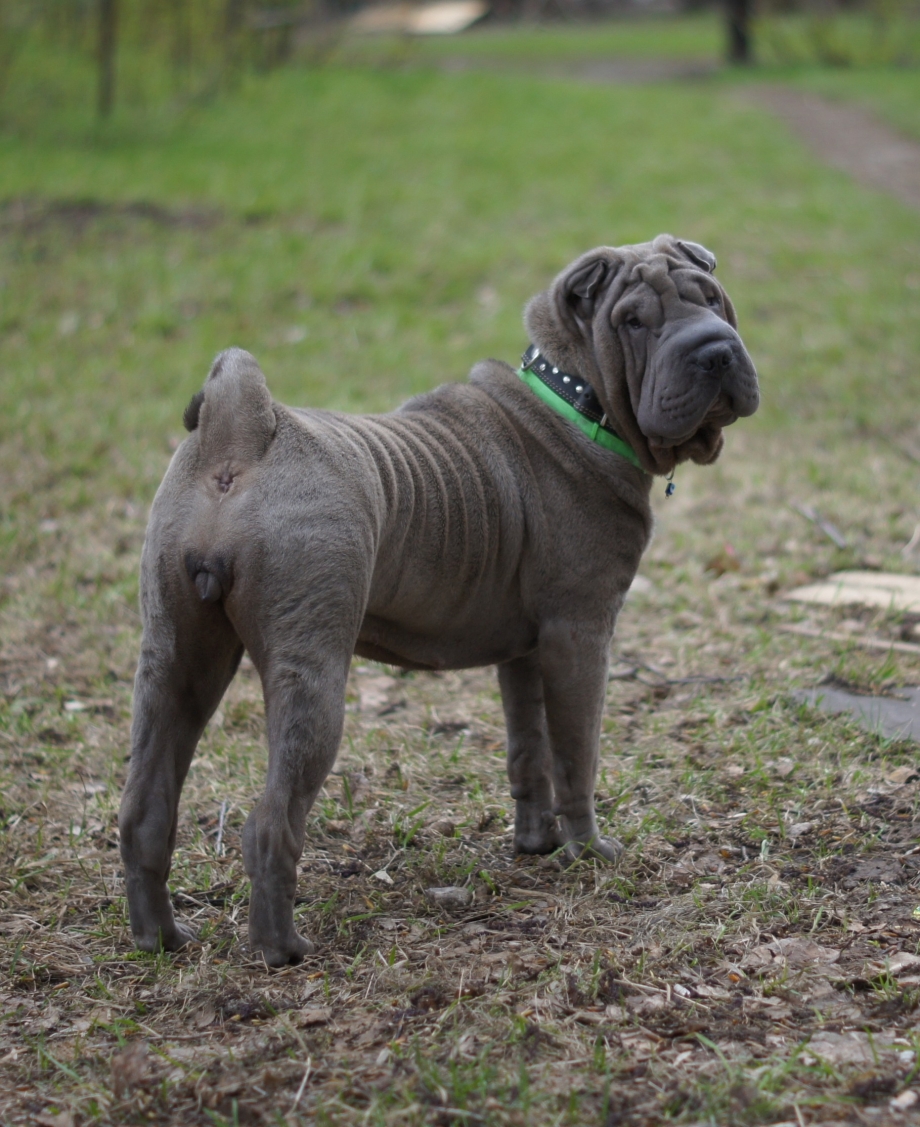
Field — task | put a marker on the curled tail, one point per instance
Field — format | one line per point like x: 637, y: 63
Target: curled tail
x: 235, y: 420
x: 233, y: 412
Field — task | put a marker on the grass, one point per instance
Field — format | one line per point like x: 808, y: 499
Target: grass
x: 368, y: 232
x: 839, y: 40
x: 695, y: 37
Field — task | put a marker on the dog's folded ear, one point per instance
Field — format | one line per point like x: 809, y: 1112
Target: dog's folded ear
x: 698, y: 255
x: 585, y: 284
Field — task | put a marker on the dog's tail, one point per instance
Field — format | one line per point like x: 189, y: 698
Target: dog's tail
x: 234, y: 420
x: 233, y: 412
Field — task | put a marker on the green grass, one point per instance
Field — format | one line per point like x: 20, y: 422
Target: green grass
x: 695, y: 37
x: 841, y: 40
x: 369, y: 231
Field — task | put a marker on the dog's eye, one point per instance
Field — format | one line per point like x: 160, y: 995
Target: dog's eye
x: 634, y: 322
x: 714, y: 301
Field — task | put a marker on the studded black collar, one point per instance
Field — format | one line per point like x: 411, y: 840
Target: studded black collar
x: 574, y: 399
x: 573, y: 389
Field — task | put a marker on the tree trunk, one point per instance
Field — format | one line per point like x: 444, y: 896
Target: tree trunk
x: 108, y: 38
x: 234, y: 14
x: 181, y: 35
x: 738, y: 14
x: 233, y: 17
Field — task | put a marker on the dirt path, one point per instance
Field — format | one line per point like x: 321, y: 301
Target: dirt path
x: 844, y: 135
x: 852, y: 139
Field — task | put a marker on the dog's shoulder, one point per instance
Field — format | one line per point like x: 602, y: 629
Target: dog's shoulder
x: 450, y: 398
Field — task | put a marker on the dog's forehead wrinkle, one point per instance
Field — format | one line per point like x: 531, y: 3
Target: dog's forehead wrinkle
x: 639, y: 298
x: 693, y: 286
x: 657, y: 278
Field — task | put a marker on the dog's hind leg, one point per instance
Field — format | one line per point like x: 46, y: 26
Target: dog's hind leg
x: 529, y: 759
x: 304, y: 677
x: 189, y: 654
x: 573, y: 661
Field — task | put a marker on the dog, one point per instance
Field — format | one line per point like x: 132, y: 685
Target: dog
x: 499, y: 521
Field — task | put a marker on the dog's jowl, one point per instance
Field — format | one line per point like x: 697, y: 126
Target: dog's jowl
x: 497, y: 521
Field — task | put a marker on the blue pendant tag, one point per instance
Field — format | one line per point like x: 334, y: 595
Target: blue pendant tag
x: 669, y: 489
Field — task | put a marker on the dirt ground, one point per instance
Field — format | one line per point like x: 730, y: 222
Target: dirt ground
x: 852, y: 139
x: 753, y: 959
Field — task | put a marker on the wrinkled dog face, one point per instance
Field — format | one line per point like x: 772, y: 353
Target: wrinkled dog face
x: 655, y: 334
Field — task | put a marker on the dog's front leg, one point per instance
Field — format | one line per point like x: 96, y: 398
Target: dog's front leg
x: 529, y: 759
x: 305, y: 710
x: 573, y: 660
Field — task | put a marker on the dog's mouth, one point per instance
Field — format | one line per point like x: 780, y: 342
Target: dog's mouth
x: 718, y: 415
x: 702, y: 443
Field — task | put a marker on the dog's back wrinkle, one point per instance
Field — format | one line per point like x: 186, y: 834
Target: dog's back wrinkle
x: 234, y: 415
x: 442, y: 501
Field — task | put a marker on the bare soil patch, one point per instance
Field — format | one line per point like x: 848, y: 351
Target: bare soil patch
x: 753, y: 959
x: 852, y: 139
x: 31, y: 215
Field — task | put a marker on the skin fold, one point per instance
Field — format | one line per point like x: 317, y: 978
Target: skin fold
x: 473, y: 526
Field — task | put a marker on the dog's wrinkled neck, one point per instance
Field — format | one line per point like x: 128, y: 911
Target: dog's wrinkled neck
x: 578, y: 350
x: 574, y: 398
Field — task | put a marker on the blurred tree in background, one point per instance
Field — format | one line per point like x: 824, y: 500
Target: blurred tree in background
x: 203, y: 43
x: 147, y: 52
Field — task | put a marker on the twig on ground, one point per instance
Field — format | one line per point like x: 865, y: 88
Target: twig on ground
x: 303, y: 1084
x: 809, y: 512
x: 219, y: 841
x: 633, y: 673
x: 854, y: 639
x: 912, y: 543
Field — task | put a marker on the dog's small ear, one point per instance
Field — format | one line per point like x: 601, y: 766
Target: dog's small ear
x: 698, y: 255
x: 193, y: 410
x: 583, y: 285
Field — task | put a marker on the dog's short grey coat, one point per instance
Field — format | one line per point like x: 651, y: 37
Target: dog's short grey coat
x: 473, y: 526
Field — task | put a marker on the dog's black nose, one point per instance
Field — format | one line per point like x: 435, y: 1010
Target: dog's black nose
x: 715, y: 357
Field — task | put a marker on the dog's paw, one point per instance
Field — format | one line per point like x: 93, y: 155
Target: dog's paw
x: 287, y: 953
x: 173, y: 938
x: 601, y: 848
x: 536, y: 831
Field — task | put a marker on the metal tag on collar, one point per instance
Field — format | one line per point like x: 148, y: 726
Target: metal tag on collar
x: 529, y: 358
x: 670, y: 487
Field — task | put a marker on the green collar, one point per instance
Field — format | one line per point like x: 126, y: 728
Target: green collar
x: 594, y: 430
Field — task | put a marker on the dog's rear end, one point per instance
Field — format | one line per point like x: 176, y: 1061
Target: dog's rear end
x: 190, y: 650
x: 258, y: 539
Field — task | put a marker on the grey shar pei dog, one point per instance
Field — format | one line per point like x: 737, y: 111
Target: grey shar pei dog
x: 482, y: 523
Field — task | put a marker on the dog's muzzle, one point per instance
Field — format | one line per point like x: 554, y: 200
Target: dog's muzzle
x: 699, y: 374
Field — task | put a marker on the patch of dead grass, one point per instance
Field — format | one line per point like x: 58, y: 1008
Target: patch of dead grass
x: 749, y: 961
